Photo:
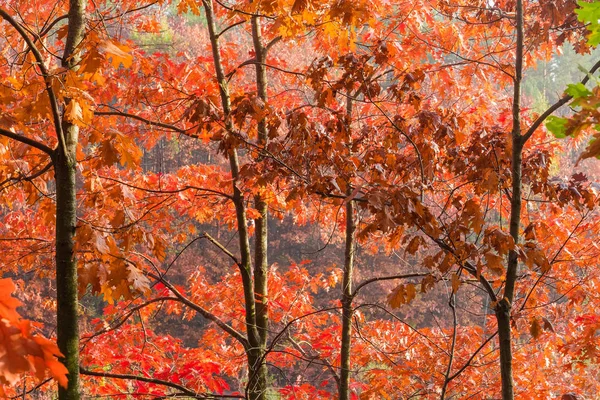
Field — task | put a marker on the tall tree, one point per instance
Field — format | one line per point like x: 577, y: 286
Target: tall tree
x: 64, y: 161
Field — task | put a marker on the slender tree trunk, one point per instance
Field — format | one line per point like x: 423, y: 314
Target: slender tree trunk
x: 261, y: 265
x: 503, y: 308
x: 65, y: 164
x: 256, y: 388
x: 261, y: 260
x: 347, y: 311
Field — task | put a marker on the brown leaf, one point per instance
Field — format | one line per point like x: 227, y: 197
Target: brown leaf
x: 455, y: 282
x: 414, y: 245
x: 548, y: 325
x: 535, y: 328
x: 397, y: 297
x: 299, y: 6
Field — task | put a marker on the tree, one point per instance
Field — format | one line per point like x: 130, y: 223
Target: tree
x: 63, y: 160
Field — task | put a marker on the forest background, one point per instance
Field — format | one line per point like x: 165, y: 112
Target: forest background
x: 294, y: 199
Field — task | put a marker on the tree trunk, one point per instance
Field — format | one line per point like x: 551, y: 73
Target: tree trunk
x: 260, y: 253
x: 66, y: 268
x: 65, y: 164
x: 261, y: 265
x: 347, y: 311
x: 503, y: 308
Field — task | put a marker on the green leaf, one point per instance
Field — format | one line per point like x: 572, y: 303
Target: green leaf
x: 557, y: 126
x: 594, y: 37
x: 589, y: 13
x: 577, y: 90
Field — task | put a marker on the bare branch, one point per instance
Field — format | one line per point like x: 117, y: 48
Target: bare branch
x: 451, y: 303
x: 470, y: 360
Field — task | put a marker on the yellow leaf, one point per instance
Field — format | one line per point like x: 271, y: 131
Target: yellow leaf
x: 91, y: 63
x: 414, y: 244
x: 100, y: 243
x: 138, y: 280
x: 494, y: 263
x: 427, y: 283
x: 548, y: 325
x: 73, y: 112
x: 118, y: 53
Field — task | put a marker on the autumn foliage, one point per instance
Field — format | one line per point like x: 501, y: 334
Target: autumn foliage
x: 22, y: 351
x: 299, y: 199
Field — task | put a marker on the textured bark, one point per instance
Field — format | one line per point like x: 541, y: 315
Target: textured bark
x: 65, y: 164
x: 256, y: 387
x: 66, y: 269
x: 347, y: 311
x: 261, y: 264
x: 504, y: 337
x: 503, y: 308
x: 347, y: 297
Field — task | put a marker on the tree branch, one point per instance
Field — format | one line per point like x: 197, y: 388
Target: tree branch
x: 205, y: 313
x: 222, y: 248
x: 146, y: 121
x: 155, y: 381
x: 385, y: 278
x: 564, y: 100
x: 28, y: 141
x: 123, y: 319
x: 162, y: 191
x: 470, y: 360
x: 470, y: 268
x: 46, y: 76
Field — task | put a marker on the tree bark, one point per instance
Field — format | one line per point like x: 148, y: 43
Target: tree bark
x: 261, y: 265
x: 66, y: 267
x: 347, y: 310
x: 503, y: 308
x: 261, y: 244
x: 65, y: 164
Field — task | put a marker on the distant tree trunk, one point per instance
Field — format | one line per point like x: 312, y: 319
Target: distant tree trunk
x: 503, y: 308
x: 65, y: 164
